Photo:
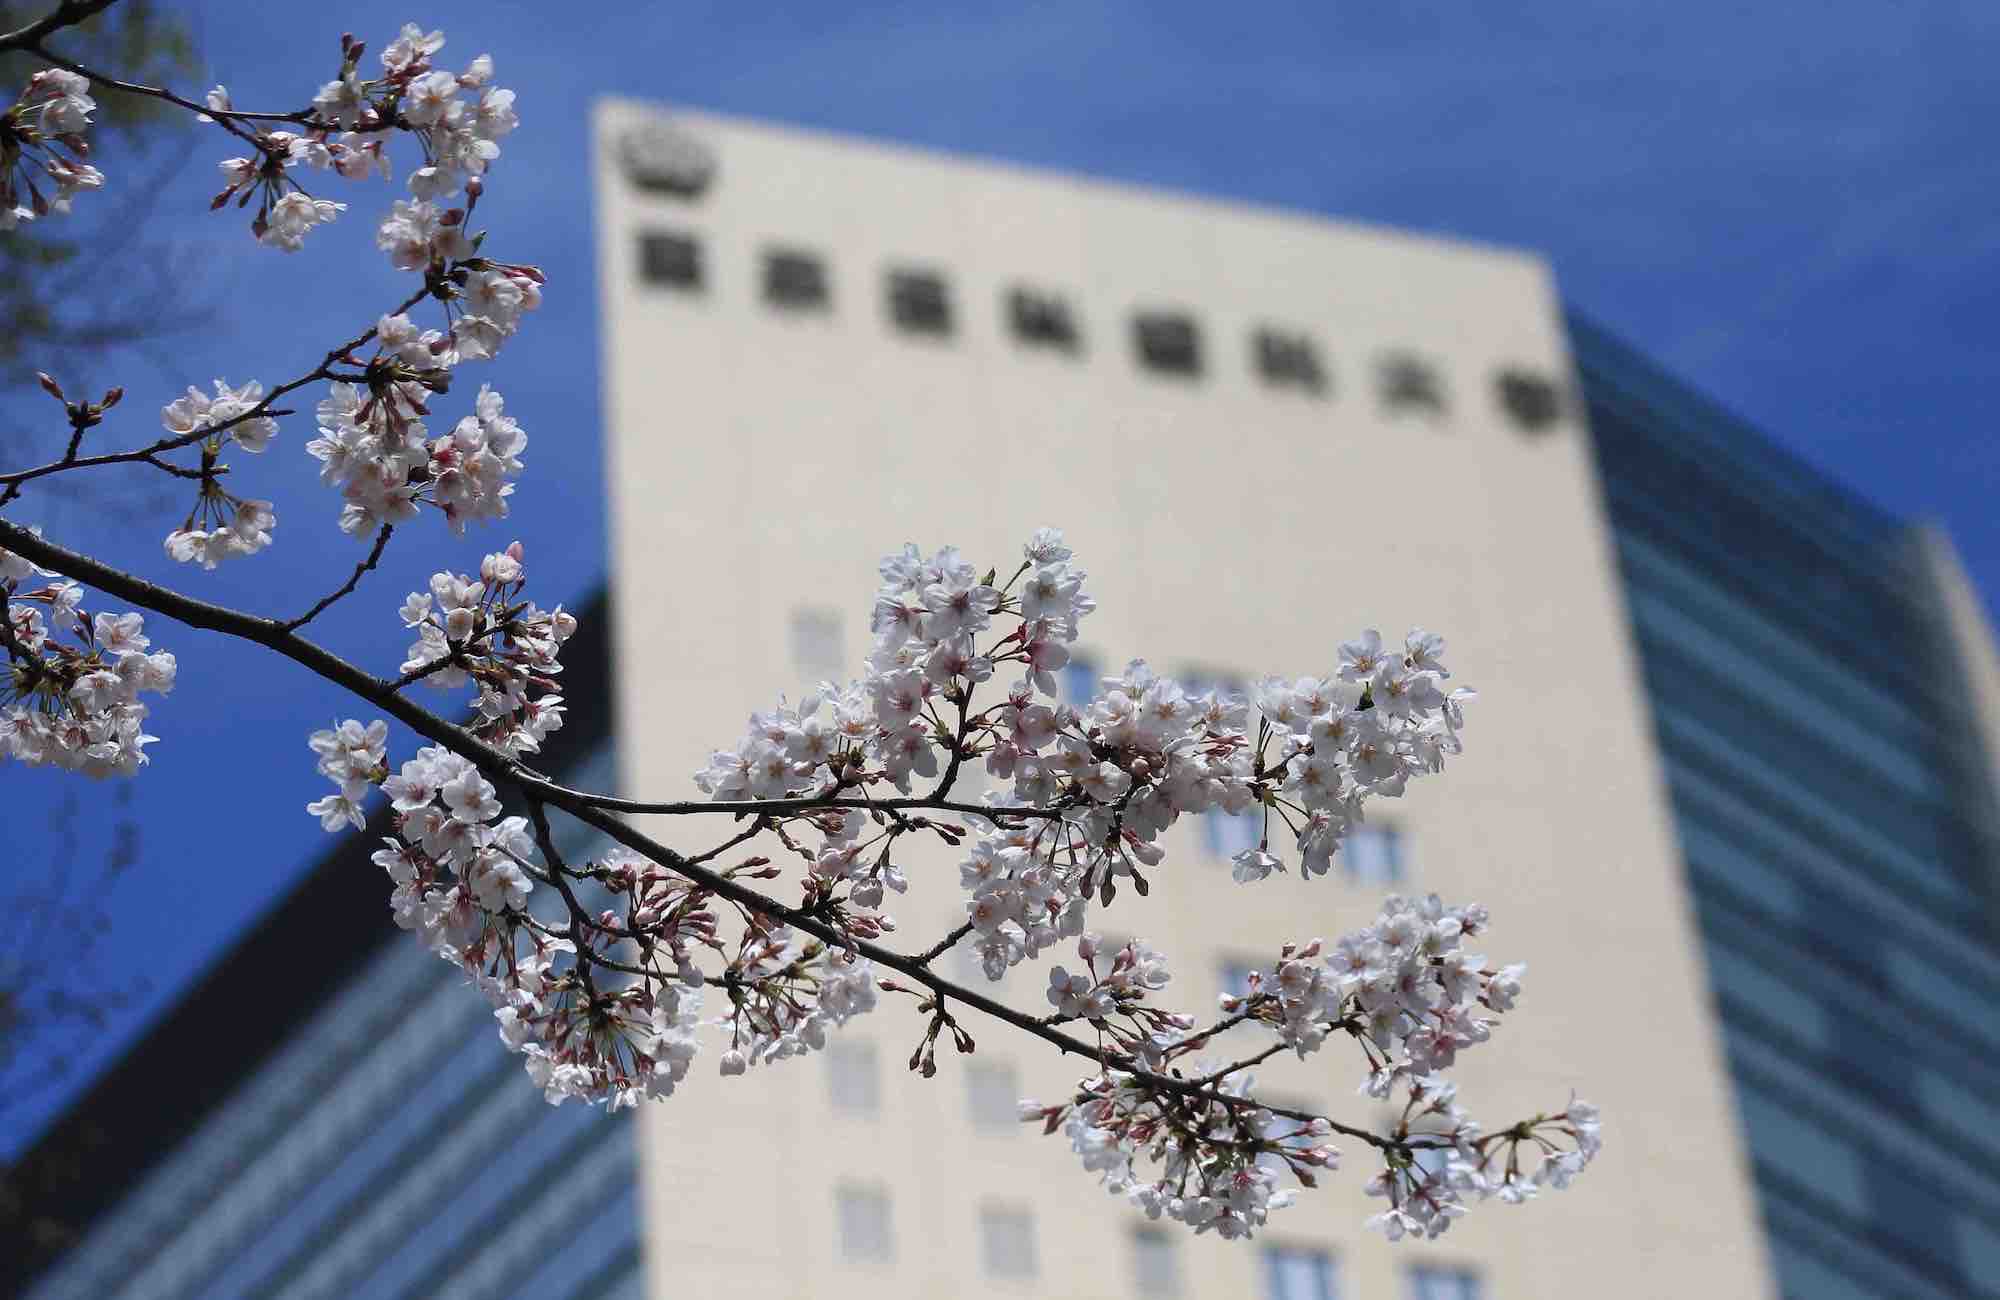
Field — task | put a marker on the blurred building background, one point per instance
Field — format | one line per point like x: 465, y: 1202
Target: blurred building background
x: 1728, y: 789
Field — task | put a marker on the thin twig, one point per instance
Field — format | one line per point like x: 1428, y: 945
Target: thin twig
x: 345, y: 588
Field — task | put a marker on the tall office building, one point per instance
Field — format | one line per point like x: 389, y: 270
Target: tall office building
x: 1727, y: 788
x: 1261, y: 432
x: 1821, y: 687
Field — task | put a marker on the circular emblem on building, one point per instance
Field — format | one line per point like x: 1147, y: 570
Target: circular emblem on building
x: 664, y: 158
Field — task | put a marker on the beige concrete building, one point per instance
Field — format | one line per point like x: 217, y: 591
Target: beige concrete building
x: 1261, y: 432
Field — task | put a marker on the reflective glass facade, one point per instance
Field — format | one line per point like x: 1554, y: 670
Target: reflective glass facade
x: 389, y: 1147
x: 1831, y: 804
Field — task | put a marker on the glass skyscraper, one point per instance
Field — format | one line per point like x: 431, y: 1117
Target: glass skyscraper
x: 1833, y: 816
x: 330, y: 1113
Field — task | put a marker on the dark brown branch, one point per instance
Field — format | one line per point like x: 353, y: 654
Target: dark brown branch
x: 67, y: 14
x: 943, y: 946
x: 805, y: 804
x: 225, y: 118
x: 748, y: 833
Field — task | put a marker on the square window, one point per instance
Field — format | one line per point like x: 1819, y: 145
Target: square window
x: 1288, y: 359
x: 862, y: 1216
x: 1532, y: 401
x: 919, y: 302
x: 853, y: 1078
x: 1410, y: 383
x: 1438, y: 1282
x: 1234, y: 975
x: 1227, y: 834
x: 1297, y: 1273
x: 1168, y: 342
x: 816, y: 643
x: 994, y: 1094
x: 1007, y: 1242
x: 1042, y: 319
x: 796, y: 280
x: 669, y: 258
x: 1155, y: 1264
x: 1372, y: 854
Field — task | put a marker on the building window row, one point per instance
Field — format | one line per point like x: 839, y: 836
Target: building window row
x: 1007, y: 1249
x: 862, y: 1222
x: 854, y: 1073
x: 1166, y: 342
x: 1307, y: 1273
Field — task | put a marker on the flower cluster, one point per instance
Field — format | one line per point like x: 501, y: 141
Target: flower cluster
x: 618, y: 1048
x: 458, y: 119
x: 42, y: 132
x: 77, y: 706
x: 483, y: 299
x: 481, y: 632
x: 1419, y: 994
x: 373, y: 446
x: 1220, y: 1155
x: 222, y: 524
x: 1107, y: 779
x: 785, y: 992
x: 1410, y: 992
x: 1449, y: 1158
x: 1116, y: 983
x: 355, y: 758
x: 928, y: 617
x: 462, y: 878
x: 1147, y: 751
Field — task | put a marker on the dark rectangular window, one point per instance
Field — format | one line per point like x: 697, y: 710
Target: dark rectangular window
x: 1410, y: 383
x: 1288, y: 359
x: 1533, y: 402
x: 919, y: 303
x: 1298, y: 1273
x: 669, y: 258
x: 1167, y: 342
x: 1043, y: 319
x: 1372, y: 855
x: 796, y: 280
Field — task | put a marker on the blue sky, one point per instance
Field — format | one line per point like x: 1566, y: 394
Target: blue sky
x: 1791, y: 207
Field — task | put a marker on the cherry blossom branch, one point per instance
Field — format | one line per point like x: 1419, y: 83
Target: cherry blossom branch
x: 262, y: 409
x: 273, y: 635
x: 154, y: 92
